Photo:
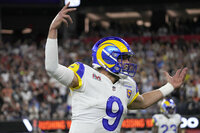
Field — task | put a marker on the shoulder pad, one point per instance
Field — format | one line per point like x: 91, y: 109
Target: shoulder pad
x: 78, y: 68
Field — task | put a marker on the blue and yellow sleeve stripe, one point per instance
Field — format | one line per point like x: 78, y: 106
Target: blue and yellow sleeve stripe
x: 136, y: 95
x: 79, y: 69
x: 154, y: 120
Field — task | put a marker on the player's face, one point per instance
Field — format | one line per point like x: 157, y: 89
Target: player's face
x: 126, y: 64
x: 171, y: 111
x: 124, y: 59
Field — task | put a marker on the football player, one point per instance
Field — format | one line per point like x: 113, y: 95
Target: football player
x: 169, y: 121
x: 102, y: 94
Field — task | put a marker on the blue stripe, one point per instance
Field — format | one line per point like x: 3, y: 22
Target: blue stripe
x: 155, y: 120
x: 136, y: 88
x: 128, y: 86
x: 81, y: 69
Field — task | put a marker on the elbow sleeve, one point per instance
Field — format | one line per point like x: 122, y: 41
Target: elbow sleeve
x: 51, y: 55
x: 64, y: 75
x: 61, y: 73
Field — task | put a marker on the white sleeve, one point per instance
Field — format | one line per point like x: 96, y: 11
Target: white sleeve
x: 155, y: 120
x: 61, y: 73
x: 132, y: 91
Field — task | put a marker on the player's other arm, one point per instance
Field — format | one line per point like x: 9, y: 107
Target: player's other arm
x: 179, y: 126
x: 147, y: 99
x: 179, y: 129
x: 155, y: 129
x: 59, y: 72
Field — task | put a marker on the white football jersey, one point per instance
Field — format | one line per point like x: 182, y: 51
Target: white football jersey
x: 165, y: 124
x: 98, y: 105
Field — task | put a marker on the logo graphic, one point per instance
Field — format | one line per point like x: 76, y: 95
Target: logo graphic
x: 96, y: 77
x: 129, y: 93
x: 114, y: 88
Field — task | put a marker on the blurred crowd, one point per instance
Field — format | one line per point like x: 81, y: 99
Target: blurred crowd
x: 175, y: 26
x: 28, y: 92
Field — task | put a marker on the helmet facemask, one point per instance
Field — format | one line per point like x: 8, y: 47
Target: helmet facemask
x: 126, y: 69
x: 170, y: 110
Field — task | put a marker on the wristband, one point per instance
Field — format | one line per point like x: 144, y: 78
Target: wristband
x: 166, y: 89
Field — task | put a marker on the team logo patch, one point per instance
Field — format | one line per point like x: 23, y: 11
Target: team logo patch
x: 129, y: 93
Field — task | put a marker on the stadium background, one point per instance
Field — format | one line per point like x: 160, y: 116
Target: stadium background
x: 164, y: 35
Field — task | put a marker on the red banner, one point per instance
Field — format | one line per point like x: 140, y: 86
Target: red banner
x: 61, y: 124
x: 142, y: 39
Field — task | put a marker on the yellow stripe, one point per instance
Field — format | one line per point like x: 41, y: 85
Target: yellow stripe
x: 99, y: 56
x: 79, y: 82
x: 119, y: 44
x: 74, y: 69
x: 167, y: 103
x: 136, y: 95
x: 153, y: 121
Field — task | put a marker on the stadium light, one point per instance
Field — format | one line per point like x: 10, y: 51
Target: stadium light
x: 139, y: 22
x: 87, y: 21
x: 26, y: 31
x: 193, y: 11
x: 6, y: 31
x: 123, y: 15
x: 172, y: 13
x: 105, y: 24
x: 93, y: 16
x: 147, y: 24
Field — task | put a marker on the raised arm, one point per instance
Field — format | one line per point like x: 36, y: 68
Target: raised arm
x: 54, y: 69
x: 61, y: 17
x: 147, y: 99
